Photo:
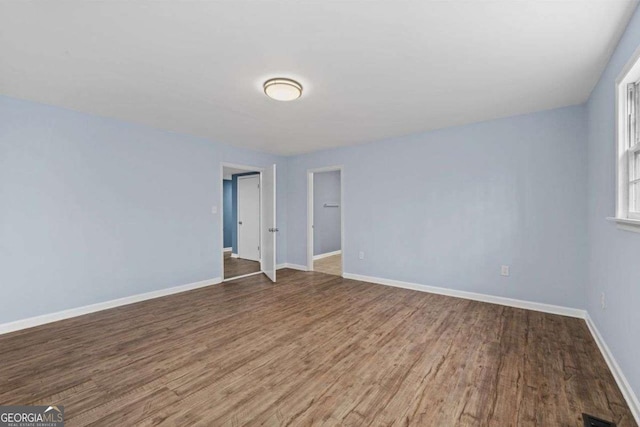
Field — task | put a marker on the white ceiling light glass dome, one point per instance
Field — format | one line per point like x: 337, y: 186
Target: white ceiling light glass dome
x: 282, y: 89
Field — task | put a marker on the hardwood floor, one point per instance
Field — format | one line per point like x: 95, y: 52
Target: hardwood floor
x: 329, y: 265
x: 234, y: 267
x: 312, y: 349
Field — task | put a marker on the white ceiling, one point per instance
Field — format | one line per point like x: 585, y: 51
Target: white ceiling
x: 370, y: 69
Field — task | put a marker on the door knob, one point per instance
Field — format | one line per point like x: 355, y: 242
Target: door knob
x: 240, y: 222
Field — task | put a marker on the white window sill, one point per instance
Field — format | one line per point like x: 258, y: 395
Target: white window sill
x: 627, y: 224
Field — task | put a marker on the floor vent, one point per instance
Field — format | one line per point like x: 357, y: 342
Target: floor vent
x: 591, y: 421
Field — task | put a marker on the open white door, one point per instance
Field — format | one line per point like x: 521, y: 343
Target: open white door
x: 249, y: 217
x: 269, y: 228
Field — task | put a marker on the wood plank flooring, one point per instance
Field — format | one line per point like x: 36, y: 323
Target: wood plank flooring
x: 313, y: 349
x: 329, y: 265
x: 234, y: 267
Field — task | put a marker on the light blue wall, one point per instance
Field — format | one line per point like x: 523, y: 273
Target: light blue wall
x: 614, y: 259
x: 93, y: 209
x: 472, y: 198
x: 326, y: 221
x: 227, y: 202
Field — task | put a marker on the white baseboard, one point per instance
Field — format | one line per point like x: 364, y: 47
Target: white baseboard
x: 234, y: 255
x: 537, y: 306
x: 79, y: 311
x: 291, y: 266
x: 227, y: 249
x: 327, y: 254
x: 243, y: 276
x: 621, y: 380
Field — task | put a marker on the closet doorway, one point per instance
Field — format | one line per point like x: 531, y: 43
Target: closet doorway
x: 325, y: 220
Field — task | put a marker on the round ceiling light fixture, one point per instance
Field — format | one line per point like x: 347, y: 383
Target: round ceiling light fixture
x: 282, y: 89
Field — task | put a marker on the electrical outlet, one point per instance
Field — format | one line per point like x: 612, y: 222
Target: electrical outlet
x: 603, y: 301
x: 361, y: 255
x: 504, y: 271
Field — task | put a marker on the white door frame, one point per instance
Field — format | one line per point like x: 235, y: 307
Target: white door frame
x: 247, y: 168
x: 310, y: 173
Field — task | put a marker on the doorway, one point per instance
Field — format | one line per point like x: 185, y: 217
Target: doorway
x: 248, y: 223
x: 325, y: 241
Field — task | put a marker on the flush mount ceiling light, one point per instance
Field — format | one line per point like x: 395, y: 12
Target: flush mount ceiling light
x: 282, y: 89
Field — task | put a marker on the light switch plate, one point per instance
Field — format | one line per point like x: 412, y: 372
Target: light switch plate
x: 214, y: 210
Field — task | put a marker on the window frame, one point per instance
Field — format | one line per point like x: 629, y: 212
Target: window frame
x: 632, y: 146
x: 626, y: 149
